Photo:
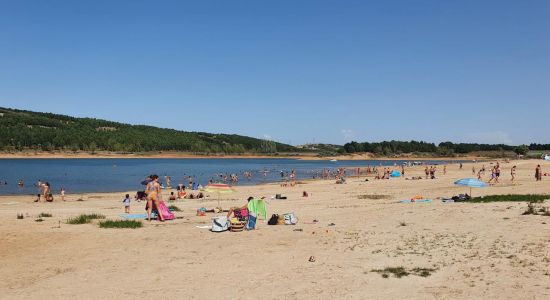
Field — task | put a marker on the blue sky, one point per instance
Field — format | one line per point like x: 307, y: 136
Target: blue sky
x: 294, y: 71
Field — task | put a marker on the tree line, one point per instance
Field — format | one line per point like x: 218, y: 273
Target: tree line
x: 21, y: 130
x: 444, y: 148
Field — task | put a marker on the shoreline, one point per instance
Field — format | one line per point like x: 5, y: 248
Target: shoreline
x: 183, y: 155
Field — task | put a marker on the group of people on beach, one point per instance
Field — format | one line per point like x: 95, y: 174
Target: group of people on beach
x: 496, y: 171
x: 45, y: 192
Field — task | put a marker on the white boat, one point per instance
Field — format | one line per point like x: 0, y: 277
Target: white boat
x: 547, y: 157
x: 333, y: 160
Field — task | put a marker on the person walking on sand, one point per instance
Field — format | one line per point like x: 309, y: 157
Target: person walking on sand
x: 126, y: 203
x: 513, y: 173
x: 153, y: 196
x: 62, y: 193
x: 445, y: 170
x: 493, y: 175
x: 473, y: 170
x: 538, y: 173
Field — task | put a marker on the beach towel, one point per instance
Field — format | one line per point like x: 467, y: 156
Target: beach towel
x: 251, y: 224
x: 136, y: 216
x: 258, y: 208
x: 416, y: 201
x: 166, y: 213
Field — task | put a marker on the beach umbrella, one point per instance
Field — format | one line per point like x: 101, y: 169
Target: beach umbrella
x: 219, y: 188
x: 471, y: 182
x: 146, y: 181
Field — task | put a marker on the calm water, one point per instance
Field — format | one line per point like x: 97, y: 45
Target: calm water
x: 112, y: 175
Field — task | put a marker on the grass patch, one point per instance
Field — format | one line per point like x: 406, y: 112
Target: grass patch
x: 20, y: 216
x: 399, y: 272
x: 423, y: 272
x: 402, y: 224
x: 510, y: 198
x: 84, y: 219
x: 373, y: 197
x: 120, y: 224
x: 45, y: 215
x: 174, y: 208
x: 39, y: 220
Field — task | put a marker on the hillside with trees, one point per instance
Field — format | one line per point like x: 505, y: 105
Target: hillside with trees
x: 442, y: 149
x: 26, y: 130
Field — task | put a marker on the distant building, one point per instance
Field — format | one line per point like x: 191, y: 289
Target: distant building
x: 105, y: 129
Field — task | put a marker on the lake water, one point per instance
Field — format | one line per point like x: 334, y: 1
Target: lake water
x: 113, y: 175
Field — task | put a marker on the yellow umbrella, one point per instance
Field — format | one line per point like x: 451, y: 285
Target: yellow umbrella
x: 219, y: 188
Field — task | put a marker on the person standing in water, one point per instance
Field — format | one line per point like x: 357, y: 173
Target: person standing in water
x: 153, y: 196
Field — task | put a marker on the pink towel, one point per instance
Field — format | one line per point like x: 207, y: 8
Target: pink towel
x: 166, y: 213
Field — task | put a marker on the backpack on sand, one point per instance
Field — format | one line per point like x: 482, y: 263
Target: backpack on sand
x: 273, y: 220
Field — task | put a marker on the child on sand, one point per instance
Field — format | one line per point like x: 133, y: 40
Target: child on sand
x: 126, y: 202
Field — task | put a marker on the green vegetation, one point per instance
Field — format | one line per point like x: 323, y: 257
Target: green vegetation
x: 84, y: 219
x: 120, y: 224
x: 39, y: 220
x: 509, y: 198
x: 45, y: 215
x: 174, y: 208
x: 25, y: 130
x: 399, y: 272
x: 443, y: 149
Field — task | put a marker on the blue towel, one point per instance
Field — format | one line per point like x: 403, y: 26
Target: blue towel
x: 137, y: 216
x: 416, y: 201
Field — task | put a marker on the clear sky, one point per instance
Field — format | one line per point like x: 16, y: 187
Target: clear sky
x: 294, y: 71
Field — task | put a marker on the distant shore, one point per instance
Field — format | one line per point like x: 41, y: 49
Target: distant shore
x: 160, y: 155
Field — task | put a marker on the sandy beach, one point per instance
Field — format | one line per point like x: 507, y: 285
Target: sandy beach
x: 169, y: 154
x: 473, y: 251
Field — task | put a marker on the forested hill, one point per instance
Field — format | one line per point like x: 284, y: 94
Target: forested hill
x: 21, y: 130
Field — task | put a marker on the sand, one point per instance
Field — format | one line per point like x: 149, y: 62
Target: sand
x: 476, y: 251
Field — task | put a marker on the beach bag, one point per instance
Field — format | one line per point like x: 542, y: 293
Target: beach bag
x: 236, y: 225
x: 201, y: 212
x: 274, y: 219
x: 290, y: 219
x: 251, y: 224
x: 220, y: 224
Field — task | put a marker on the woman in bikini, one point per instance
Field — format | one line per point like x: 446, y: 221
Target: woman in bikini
x: 153, y: 196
